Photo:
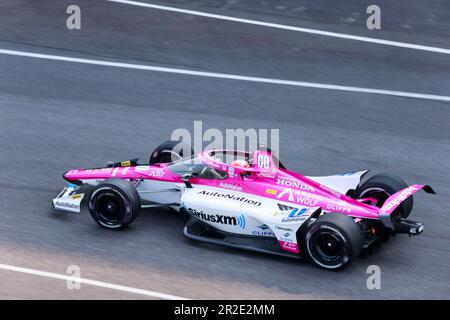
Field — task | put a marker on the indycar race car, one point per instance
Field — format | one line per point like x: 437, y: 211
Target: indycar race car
x: 251, y: 201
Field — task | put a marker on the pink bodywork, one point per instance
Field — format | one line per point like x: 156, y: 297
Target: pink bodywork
x: 267, y: 181
x: 270, y: 182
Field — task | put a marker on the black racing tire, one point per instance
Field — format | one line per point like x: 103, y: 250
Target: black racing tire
x: 168, y: 152
x: 381, y: 187
x: 114, y: 204
x: 333, y: 241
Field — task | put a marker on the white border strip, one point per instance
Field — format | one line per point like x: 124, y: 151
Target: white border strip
x: 96, y: 283
x: 286, y: 27
x: 228, y: 76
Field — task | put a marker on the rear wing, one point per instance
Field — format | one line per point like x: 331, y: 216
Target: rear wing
x: 396, y: 199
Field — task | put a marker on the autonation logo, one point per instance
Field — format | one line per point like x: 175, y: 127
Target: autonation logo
x: 232, y: 197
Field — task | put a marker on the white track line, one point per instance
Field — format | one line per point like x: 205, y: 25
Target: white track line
x: 227, y: 76
x: 286, y: 27
x: 96, y: 283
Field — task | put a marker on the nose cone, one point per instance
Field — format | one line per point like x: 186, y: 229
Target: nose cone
x: 71, y: 177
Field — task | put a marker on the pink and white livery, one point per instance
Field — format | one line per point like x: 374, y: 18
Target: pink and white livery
x: 251, y: 201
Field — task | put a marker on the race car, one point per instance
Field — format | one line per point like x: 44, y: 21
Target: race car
x: 250, y: 200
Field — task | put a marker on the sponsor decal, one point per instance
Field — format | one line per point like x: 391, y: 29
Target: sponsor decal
x: 231, y: 186
x: 125, y: 170
x: 286, y: 238
x: 272, y: 191
x: 114, y: 172
x: 287, y: 191
x: 289, y: 246
x: 76, y: 196
x: 301, y: 197
x: 241, y: 221
x: 286, y: 182
x: 297, y: 212
x: 156, y: 173
x: 265, y: 231
x: 231, y: 197
x: 141, y: 168
x: 265, y: 175
x: 308, y: 199
x: 281, y: 213
x: 67, y: 205
x: 334, y: 192
x: 284, y: 228
x: 296, y: 215
x: 402, y: 196
x: 294, y: 219
x: 97, y: 170
x: 340, y: 207
x: 125, y: 163
x: 218, y: 218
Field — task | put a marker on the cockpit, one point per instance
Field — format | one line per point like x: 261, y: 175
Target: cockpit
x: 196, y: 168
x: 215, y: 164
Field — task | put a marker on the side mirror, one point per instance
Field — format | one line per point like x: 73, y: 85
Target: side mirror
x: 186, y: 177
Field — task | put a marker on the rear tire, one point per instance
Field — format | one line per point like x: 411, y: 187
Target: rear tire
x: 381, y: 187
x: 333, y: 241
x: 114, y: 204
x: 170, y: 151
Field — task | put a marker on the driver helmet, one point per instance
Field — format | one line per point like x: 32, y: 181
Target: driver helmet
x: 240, y: 164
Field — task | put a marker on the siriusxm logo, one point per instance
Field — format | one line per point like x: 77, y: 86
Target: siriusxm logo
x: 241, y: 221
x: 218, y: 218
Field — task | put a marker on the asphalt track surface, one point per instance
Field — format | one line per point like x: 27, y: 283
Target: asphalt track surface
x: 58, y: 115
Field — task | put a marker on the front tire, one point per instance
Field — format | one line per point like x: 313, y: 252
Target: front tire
x: 333, y: 241
x: 114, y: 204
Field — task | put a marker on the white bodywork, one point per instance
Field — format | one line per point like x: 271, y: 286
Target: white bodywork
x: 341, y: 182
x: 226, y: 210
x: 68, y: 199
x: 159, y: 192
x: 245, y: 214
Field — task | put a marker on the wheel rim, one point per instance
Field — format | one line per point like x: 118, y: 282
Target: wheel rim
x: 327, y: 247
x: 110, y: 208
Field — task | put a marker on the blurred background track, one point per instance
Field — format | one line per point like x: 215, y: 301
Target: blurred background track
x: 57, y: 115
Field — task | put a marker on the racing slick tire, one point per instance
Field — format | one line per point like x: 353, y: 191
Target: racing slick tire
x: 333, y: 241
x: 381, y: 187
x: 170, y: 151
x: 114, y: 204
